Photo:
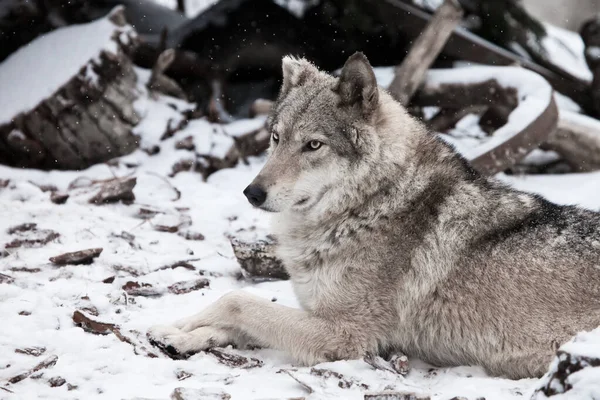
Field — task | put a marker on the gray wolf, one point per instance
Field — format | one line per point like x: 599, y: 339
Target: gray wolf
x: 394, y: 243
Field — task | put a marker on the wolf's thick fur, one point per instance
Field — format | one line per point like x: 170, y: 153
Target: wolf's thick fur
x: 393, y: 242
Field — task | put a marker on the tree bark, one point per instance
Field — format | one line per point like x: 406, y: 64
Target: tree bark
x: 86, y: 121
x: 425, y: 50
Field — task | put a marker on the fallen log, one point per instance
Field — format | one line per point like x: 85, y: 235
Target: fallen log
x: 467, y: 46
x: 530, y: 123
x: 425, y: 50
x: 577, y: 140
x: 75, y: 108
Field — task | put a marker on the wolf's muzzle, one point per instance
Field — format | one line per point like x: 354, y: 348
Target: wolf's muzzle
x: 256, y: 196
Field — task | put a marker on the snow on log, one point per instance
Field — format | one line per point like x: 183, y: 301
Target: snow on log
x: 577, y: 140
x: 529, y: 124
x: 575, y: 372
x: 67, y: 99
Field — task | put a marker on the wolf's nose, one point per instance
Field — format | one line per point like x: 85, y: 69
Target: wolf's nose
x: 256, y: 196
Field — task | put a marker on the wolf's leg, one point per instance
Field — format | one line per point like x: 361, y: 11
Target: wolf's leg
x: 309, y: 339
x: 520, y: 364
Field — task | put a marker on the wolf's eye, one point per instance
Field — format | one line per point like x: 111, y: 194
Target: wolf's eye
x: 275, y: 137
x: 313, y: 145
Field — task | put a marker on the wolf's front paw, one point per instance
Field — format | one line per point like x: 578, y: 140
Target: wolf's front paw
x: 169, y: 340
x: 180, y: 345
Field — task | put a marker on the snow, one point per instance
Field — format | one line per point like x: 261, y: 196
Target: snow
x: 102, y: 367
x: 46, y: 64
x: 566, y: 49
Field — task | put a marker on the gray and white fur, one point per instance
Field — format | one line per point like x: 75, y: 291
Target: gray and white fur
x: 394, y: 243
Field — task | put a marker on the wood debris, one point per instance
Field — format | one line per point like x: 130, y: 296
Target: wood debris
x: 6, y: 278
x: 56, y: 381
x: 21, y: 228
x: 199, y: 394
x: 58, y: 198
x: 32, y: 351
x: 47, y: 363
x: 144, y: 289
x: 234, y: 360
x: 77, y: 257
x: 102, y: 328
x: 188, y: 286
x: 116, y: 190
x: 391, y: 395
x: 30, y: 236
x: 258, y: 259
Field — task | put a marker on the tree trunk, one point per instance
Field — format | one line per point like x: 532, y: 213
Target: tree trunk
x: 86, y: 121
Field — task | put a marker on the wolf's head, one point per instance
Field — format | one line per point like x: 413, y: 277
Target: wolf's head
x: 324, y: 131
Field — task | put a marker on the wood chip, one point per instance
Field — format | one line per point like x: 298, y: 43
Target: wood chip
x: 6, y: 279
x: 199, y: 394
x: 141, y: 289
x: 391, y: 395
x: 191, y: 235
x: 33, y: 238
x: 77, y: 257
x: 32, y: 351
x: 58, y: 198
x: 56, y: 381
x: 183, y: 375
x: 116, y: 190
x: 234, y: 360
x: 47, y: 363
x: 102, y: 328
x: 22, y: 228
x: 186, y: 144
x: 188, y: 286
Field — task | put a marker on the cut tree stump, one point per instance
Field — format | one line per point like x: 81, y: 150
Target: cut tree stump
x: 86, y: 119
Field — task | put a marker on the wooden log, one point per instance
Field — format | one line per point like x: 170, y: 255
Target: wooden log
x: 425, y: 50
x: 577, y: 140
x: 513, y: 141
x: 88, y: 118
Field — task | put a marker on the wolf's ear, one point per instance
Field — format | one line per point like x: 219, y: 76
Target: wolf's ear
x: 295, y: 72
x: 357, y: 84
